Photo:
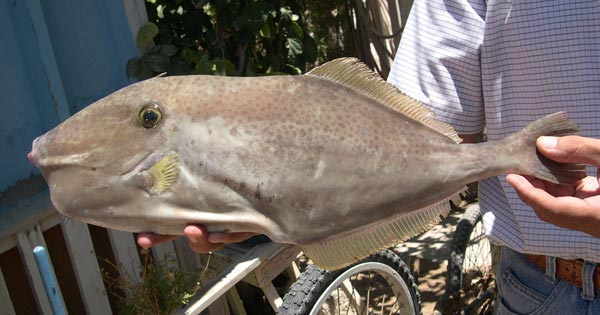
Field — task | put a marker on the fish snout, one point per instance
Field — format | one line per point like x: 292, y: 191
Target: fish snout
x: 31, y: 156
x: 34, y: 155
x: 39, y: 154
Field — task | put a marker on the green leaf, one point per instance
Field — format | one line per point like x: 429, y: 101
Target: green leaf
x: 190, y: 55
x: 209, y: 9
x: 265, y: 31
x: 180, y: 66
x: 229, y: 67
x: 156, y: 62
x: 169, y: 50
x: 297, y: 29
x: 198, y: 4
x: 239, y: 23
x: 204, y: 68
x: 294, y: 46
x: 219, y: 67
x: 286, y: 13
x: 146, y: 34
x: 163, y: 27
x: 145, y: 73
x: 292, y: 69
x: 134, y: 67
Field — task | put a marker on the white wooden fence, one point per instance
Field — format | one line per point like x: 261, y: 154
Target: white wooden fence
x: 26, y: 235
x: 257, y: 265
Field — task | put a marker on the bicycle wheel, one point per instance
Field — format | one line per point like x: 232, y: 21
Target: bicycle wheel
x: 470, y: 258
x: 378, y: 284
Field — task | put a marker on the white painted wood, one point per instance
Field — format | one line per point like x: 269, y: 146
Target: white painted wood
x: 45, y: 220
x: 6, y: 307
x: 229, y: 277
x: 136, y: 16
x: 26, y: 241
x: 185, y: 256
x: 126, y: 255
x: 163, y: 252
x: 85, y: 265
x: 237, y: 305
x: 219, y: 307
x: 44, y: 42
x: 50, y: 221
x: 272, y: 295
x: 6, y: 244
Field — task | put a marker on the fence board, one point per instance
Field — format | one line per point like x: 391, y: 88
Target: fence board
x: 187, y: 259
x: 6, y: 306
x: 85, y: 266
x: 47, y: 54
x: 126, y: 255
x: 26, y: 241
x: 162, y: 251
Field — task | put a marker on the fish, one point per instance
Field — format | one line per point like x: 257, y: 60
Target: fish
x: 336, y: 161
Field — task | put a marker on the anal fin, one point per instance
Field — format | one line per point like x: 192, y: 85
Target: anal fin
x: 342, y: 250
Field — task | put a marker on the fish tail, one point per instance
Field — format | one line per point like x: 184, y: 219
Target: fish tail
x: 556, y: 124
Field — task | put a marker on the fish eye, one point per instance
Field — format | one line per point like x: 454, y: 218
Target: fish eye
x: 150, y: 115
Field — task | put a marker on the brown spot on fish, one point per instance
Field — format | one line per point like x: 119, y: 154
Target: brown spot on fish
x: 234, y: 132
x: 257, y: 194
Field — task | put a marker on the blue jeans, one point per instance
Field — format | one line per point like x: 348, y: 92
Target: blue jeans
x: 525, y: 288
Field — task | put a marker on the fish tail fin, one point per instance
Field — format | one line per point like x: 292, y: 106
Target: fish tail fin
x: 539, y: 166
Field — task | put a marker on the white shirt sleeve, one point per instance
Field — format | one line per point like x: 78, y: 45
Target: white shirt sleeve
x: 438, y: 61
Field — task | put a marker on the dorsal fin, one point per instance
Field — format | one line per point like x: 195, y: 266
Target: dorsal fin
x: 354, y: 74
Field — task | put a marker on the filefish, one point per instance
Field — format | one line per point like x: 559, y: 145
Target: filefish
x: 336, y: 161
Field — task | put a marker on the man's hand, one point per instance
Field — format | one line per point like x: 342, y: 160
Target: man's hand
x: 199, y: 239
x: 577, y: 207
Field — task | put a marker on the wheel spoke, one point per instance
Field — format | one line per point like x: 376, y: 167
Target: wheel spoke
x: 381, y: 284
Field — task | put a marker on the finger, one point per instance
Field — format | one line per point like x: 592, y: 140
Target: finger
x: 570, y: 149
x: 518, y: 182
x: 147, y: 240
x: 198, y: 239
x: 587, y: 187
x: 566, y: 212
x: 530, y: 194
x: 556, y: 190
x: 229, y: 237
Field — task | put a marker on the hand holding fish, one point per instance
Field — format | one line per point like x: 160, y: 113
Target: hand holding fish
x: 199, y: 239
x: 574, y: 207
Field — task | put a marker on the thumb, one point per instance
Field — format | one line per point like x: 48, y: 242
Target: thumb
x: 570, y: 149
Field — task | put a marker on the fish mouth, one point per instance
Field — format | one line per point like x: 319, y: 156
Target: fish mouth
x: 54, y: 162
x: 39, y: 157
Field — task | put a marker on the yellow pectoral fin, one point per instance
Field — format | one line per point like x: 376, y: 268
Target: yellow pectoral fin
x: 164, y: 173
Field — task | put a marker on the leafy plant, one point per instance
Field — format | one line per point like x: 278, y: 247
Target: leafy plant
x: 162, y: 289
x: 235, y: 37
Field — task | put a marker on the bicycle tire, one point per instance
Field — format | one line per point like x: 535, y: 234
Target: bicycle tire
x: 311, y: 293
x: 450, y: 302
